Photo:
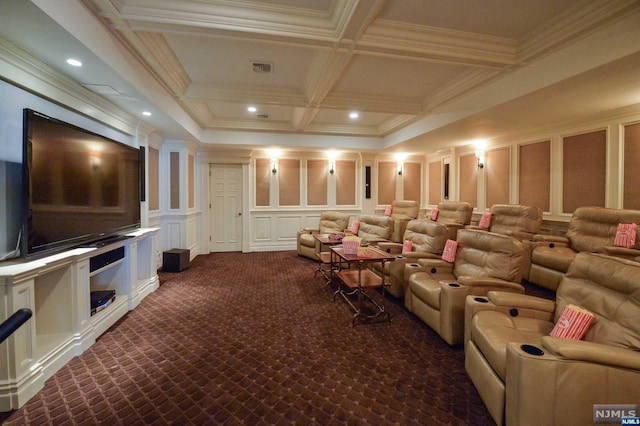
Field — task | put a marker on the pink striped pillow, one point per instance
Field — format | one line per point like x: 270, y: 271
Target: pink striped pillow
x: 387, y: 210
x: 449, y: 253
x: 485, y: 220
x: 355, y: 227
x: 626, y: 235
x: 407, y: 246
x: 573, y: 323
x: 434, y: 214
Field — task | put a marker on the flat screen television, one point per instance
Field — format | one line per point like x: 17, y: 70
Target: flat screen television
x: 78, y: 187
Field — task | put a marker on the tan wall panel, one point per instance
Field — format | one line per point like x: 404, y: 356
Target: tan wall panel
x: 583, y: 170
x: 387, y: 182
x: 192, y: 191
x: 412, y: 184
x: 631, y: 187
x: 289, y: 182
x: 345, y: 183
x: 263, y: 177
x: 435, y: 182
x: 535, y: 175
x: 497, y: 169
x: 153, y: 170
x: 317, y: 172
x: 174, y: 167
x: 469, y: 179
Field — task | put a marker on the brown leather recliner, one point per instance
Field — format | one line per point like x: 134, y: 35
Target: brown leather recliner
x: 375, y: 228
x: 591, y: 229
x: 455, y: 215
x: 427, y: 241
x: 484, y: 261
x: 516, y: 220
x: 402, y: 211
x: 330, y: 221
x: 526, y: 377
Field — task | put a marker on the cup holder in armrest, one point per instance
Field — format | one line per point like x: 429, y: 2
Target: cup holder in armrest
x: 399, y: 256
x: 481, y: 299
x: 532, y: 350
x: 453, y: 285
x: 414, y: 265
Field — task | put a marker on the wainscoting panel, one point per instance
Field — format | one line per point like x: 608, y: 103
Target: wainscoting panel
x: 288, y: 227
x: 278, y: 230
x: 262, y: 229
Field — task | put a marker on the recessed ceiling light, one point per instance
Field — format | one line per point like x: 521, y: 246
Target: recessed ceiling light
x: 354, y: 115
x: 252, y: 109
x: 74, y: 62
x: 146, y: 113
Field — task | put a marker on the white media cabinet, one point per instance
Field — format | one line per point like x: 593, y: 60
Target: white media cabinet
x: 57, y: 290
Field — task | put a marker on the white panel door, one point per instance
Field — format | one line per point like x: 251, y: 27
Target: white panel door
x: 226, y: 207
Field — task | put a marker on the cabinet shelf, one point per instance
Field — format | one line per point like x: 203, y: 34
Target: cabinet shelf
x: 57, y: 290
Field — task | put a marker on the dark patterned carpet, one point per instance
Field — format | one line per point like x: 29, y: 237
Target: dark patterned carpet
x: 255, y: 339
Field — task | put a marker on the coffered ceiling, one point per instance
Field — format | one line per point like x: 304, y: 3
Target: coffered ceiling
x: 409, y: 68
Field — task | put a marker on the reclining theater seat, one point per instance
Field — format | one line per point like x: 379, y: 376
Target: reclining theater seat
x: 427, y: 241
x: 455, y: 215
x: 516, y: 220
x: 402, y: 211
x: 330, y: 221
x: 374, y: 228
x: 558, y: 380
x: 591, y: 229
x: 484, y: 261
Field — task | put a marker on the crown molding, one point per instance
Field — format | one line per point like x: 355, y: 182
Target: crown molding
x: 467, y: 82
x: 579, y: 20
x: 403, y: 39
x: 246, y: 16
x: 26, y: 71
x: 157, y: 52
x: 395, y: 123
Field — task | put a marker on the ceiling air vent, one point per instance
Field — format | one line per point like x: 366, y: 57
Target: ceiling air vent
x: 262, y: 115
x: 262, y: 67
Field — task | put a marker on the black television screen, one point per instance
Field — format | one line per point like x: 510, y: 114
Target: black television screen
x: 79, y: 187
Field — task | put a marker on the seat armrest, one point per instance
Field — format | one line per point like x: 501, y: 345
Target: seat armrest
x: 481, y: 285
x: 627, y: 253
x: 476, y: 227
x: 525, y: 301
x: 435, y: 263
x: 416, y: 255
x: 580, y: 350
x: 551, y: 239
x: 311, y: 230
x: 392, y: 248
x: 522, y: 235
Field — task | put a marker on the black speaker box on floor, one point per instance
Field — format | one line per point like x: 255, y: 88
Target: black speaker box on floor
x: 175, y: 260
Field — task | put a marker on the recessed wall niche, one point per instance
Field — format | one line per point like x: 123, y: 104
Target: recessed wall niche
x: 289, y: 182
x: 317, y: 171
x: 263, y: 178
x: 584, y: 162
x: 631, y: 199
x: 386, y: 182
x: 534, y: 183
x: 435, y: 182
x: 345, y: 172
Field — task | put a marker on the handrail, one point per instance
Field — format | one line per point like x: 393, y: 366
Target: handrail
x: 11, y: 324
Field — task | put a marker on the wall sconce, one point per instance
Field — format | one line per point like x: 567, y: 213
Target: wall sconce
x: 480, y: 146
x: 274, y: 167
x: 400, y: 169
x: 331, y: 167
x: 480, y: 156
